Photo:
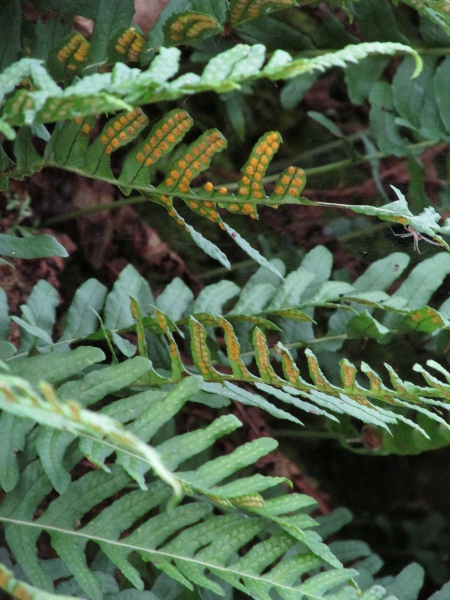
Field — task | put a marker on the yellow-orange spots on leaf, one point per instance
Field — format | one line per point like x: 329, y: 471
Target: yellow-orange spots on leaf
x: 175, y: 174
x: 297, y: 182
x: 147, y: 148
x: 72, y: 67
x: 285, y: 180
x: 86, y: 128
x: 156, y: 153
x: 185, y: 123
x: 189, y: 157
x: 203, y: 211
x: 279, y: 190
x: 291, y: 170
x: 109, y: 149
x: 115, y: 143
x: 170, y: 123
x: 269, y: 151
x: 208, y: 204
x: 223, y: 190
x: 169, y: 182
x: 243, y: 191
x: 148, y: 162
x: 116, y: 125
x: 247, y: 208
x: 78, y: 120
x: 214, y: 215
x: 234, y: 207
x: 263, y: 146
x: 172, y: 213
x: 255, y: 186
x: 120, y: 50
x: 196, y: 164
x: 104, y: 139
x: 193, y: 204
x: 164, y: 146
x: 260, y: 168
x: 293, y: 191
x: 249, y: 170
x: 208, y: 186
x: 110, y: 131
x: 204, y: 158
x: 202, y: 146
x: 257, y: 177
x: 171, y: 138
x: 348, y: 376
x: 123, y: 136
x: 140, y: 157
x: 195, y: 151
x: 183, y: 188
x: 245, y: 180
x: 253, y: 161
x: 165, y: 128
x: 159, y: 134
x: 189, y: 174
x: 123, y: 120
x: 264, y: 160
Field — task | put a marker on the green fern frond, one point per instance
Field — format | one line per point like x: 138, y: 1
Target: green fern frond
x: 188, y: 541
x: 126, y: 87
x: 69, y: 148
x: 362, y: 311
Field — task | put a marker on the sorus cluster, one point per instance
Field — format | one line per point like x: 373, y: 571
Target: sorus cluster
x: 130, y: 44
x: 290, y: 182
x: 118, y: 130
x: 196, y: 159
x: 163, y: 138
x: 190, y: 26
x: 76, y: 49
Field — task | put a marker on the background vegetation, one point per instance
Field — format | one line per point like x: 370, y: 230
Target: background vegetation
x: 223, y: 306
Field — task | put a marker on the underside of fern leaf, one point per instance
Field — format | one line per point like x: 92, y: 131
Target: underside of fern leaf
x: 238, y: 341
x: 189, y: 542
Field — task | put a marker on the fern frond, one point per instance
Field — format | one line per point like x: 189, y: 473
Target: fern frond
x: 360, y: 311
x: 126, y: 87
x: 188, y: 542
